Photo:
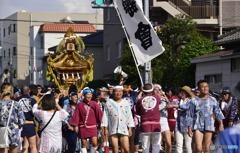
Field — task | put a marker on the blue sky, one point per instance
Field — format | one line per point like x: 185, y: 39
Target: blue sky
x: 8, y: 7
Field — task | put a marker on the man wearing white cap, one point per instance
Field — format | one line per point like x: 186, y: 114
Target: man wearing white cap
x: 148, y: 109
x: 117, y: 120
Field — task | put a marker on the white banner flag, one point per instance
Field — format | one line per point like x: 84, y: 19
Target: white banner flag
x: 144, y: 40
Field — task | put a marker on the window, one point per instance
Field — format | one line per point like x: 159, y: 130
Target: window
x: 13, y: 27
x: 9, y: 52
x: 214, y: 78
x: 41, y: 42
x: 108, y: 53
x: 4, y: 55
x: 4, y: 32
x: 14, y: 51
x: 119, y: 49
x: 235, y: 64
x: 9, y: 30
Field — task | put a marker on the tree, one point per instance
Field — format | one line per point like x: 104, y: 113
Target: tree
x: 129, y: 66
x: 182, y: 42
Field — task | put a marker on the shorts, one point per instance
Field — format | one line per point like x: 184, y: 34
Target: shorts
x: 137, y: 133
x: 164, y: 124
x: 28, y: 130
x: 172, y: 125
x: 85, y: 133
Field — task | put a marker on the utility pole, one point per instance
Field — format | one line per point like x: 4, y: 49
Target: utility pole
x: 220, y: 16
x: 147, y: 66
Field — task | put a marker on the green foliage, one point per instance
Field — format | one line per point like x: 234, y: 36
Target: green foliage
x: 129, y: 67
x: 197, y: 47
x: 182, y: 42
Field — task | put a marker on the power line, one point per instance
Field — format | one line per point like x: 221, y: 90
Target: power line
x: 55, y: 22
x: 21, y: 45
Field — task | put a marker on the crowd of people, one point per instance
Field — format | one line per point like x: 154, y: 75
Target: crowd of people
x: 125, y: 118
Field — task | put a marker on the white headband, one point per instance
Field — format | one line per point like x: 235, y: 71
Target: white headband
x: 118, y: 87
x: 157, y: 86
x: 149, y: 90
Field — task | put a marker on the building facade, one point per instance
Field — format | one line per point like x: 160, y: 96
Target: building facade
x: 44, y: 37
x: 223, y: 67
x: 16, y: 39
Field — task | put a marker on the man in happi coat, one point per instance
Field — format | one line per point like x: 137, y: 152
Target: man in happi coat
x: 86, y: 119
x: 201, y: 118
x: 118, y: 121
x: 148, y: 109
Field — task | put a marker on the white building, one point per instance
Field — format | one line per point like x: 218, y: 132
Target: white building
x: 44, y: 37
x: 222, y: 68
x: 16, y: 38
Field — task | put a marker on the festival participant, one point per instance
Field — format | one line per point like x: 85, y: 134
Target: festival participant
x: 228, y: 141
x: 86, y: 118
x: 51, y: 120
x: 134, y: 139
x: 70, y: 133
x: 118, y: 121
x: 148, y: 109
x: 39, y: 90
x: 28, y: 132
x: 16, y: 120
x: 5, y: 76
x: 71, y: 89
x: 196, y: 91
x: 110, y: 91
x: 201, y: 114
x: 228, y: 105
x: 165, y: 131
x: 181, y: 131
x: 172, y: 112
x: 17, y: 93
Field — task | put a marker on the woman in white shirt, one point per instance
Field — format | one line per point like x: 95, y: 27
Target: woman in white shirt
x: 51, y: 137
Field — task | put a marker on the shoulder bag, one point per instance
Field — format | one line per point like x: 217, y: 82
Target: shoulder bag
x: 41, y: 130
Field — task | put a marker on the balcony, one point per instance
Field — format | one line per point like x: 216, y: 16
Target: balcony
x: 195, y: 9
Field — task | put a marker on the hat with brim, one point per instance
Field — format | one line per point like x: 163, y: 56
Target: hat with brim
x: 187, y: 89
x: 226, y: 90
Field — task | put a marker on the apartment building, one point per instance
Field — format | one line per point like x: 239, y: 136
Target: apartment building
x: 16, y: 38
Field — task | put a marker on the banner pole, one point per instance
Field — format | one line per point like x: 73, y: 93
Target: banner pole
x: 134, y: 58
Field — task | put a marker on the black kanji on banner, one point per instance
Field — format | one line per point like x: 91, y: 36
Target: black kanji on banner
x: 143, y: 33
x: 130, y: 7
